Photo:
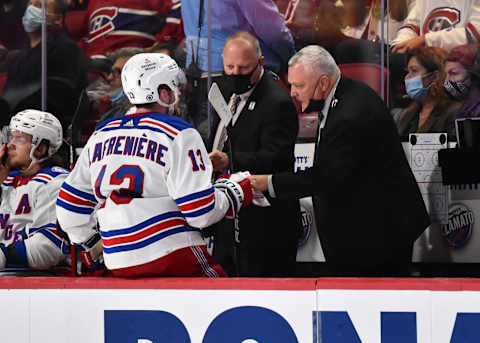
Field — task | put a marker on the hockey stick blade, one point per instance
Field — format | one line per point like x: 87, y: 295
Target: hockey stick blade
x: 219, y: 104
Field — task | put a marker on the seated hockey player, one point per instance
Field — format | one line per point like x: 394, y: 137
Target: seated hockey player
x: 30, y: 184
x: 147, y: 177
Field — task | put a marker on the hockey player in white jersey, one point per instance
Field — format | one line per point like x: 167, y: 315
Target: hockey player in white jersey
x: 148, y: 177
x: 28, y: 193
x: 441, y: 23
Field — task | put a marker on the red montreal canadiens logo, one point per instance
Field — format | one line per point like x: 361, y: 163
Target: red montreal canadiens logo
x: 101, y: 22
x: 460, y: 225
x: 441, y: 18
x: 307, y: 220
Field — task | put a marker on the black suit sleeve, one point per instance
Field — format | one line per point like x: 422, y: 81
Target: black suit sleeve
x: 275, y: 142
x: 335, y: 169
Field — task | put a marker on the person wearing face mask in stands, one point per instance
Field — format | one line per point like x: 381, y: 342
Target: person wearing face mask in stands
x: 262, y: 241
x: 12, y: 34
x: 116, y: 97
x: 462, y: 80
x: 115, y: 101
x: 431, y: 109
x: 66, y: 65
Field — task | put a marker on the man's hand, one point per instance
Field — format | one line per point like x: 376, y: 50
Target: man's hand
x: 259, y: 182
x: 219, y: 160
x: 409, y: 45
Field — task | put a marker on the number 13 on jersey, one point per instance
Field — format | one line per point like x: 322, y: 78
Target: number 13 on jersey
x: 197, y: 161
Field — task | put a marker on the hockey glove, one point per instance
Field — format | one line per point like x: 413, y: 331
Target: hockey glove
x: 238, y: 190
x: 91, y: 253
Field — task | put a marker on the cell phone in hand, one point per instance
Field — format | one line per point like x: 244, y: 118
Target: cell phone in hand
x: 5, y: 156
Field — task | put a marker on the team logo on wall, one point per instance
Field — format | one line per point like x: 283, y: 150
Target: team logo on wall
x: 441, y: 18
x: 460, y: 225
x: 307, y: 220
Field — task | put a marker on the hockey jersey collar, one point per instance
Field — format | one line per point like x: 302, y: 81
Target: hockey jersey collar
x: 19, y: 179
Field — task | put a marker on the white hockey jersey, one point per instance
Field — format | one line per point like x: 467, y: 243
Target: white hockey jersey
x: 445, y: 23
x: 28, y: 218
x: 148, y: 177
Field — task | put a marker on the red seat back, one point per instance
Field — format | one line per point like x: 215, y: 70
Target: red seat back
x: 76, y: 24
x: 369, y: 73
x: 3, y: 79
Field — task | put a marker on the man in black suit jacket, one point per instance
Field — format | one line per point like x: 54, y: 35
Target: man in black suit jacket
x: 368, y: 206
x: 262, y: 139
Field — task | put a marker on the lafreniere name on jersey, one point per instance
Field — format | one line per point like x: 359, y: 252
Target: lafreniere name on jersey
x: 142, y: 147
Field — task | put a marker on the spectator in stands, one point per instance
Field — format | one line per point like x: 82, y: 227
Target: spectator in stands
x: 108, y: 25
x: 431, y: 110
x: 31, y: 179
x: 12, y: 34
x: 118, y: 101
x: 362, y: 19
x: 259, y: 17
x: 315, y: 22
x: 362, y: 24
x: 462, y: 80
x: 439, y: 23
x: 361, y: 181
x: 262, y: 139
x: 349, y: 29
x: 66, y: 65
x: 112, y: 101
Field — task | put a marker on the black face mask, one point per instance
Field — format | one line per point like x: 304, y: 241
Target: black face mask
x: 457, y: 90
x: 315, y: 105
x: 240, y: 84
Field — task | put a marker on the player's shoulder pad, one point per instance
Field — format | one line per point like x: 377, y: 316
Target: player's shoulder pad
x: 110, y: 122
x: 172, y: 120
x: 167, y: 124
x: 48, y: 174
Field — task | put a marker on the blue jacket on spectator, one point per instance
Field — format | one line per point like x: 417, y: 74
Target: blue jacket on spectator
x: 258, y: 17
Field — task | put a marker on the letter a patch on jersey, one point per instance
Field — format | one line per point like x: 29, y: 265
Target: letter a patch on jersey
x: 23, y: 206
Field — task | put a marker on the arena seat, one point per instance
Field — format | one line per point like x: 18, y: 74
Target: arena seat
x: 75, y: 24
x: 3, y: 79
x: 369, y: 73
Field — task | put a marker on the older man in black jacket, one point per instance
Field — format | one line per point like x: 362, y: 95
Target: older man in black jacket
x: 368, y: 206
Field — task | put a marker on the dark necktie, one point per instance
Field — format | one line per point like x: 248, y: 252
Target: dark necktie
x: 223, y: 134
x: 227, y: 130
x: 234, y: 106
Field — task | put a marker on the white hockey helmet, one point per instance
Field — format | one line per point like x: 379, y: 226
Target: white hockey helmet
x: 40, y: 125
x: 143, y: 73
